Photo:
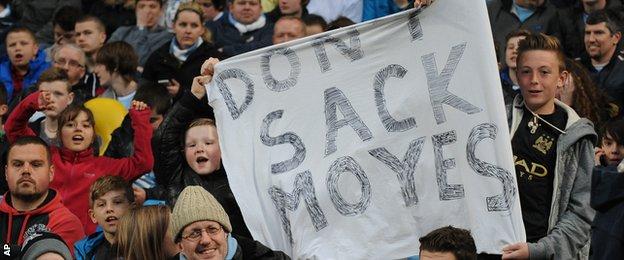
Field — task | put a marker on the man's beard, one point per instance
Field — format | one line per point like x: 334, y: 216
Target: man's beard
x: 28, y: 197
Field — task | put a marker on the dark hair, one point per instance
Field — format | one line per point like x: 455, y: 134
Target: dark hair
x: 542, y: 42
x: 26, y: 140
x: 4, y: 101
x: 54, y: 74
x: 119, y: 57
x: 71, y: 112
x: 339, y: 23
x: 160, y: 2
x: 603, y: 16
x: 66, y: 17
x: 218, y: 4
x: 615, y: 130
x: 19, y: 29
x: 90, y: 18
x: 313, y: 19
x: 450, y: 239
x: 156, y: 97
x: 108, y: 183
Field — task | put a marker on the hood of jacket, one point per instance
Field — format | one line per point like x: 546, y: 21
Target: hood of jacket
x: 45, y: 208
x: 575, y: 128
x: 76, y: 157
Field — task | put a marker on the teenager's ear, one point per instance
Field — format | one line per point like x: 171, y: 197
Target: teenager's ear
x: 71, y: 97
x: 92, y: 216
x: 3, y: 109
x: 562, y: 78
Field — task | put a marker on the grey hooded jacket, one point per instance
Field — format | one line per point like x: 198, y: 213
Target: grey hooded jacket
x: 570, y: 214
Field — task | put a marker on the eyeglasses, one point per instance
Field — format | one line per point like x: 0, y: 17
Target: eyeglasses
x: 196, y: 234
x: 71, y: 63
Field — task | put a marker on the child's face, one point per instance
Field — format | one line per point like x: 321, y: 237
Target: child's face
x: 77, y: 135
x: 511, y: 51
x: 60, y: 97
x: 539, y: 78
x: 108, y: 209
x: 201, y: 149
x: 21, y: 48
x: 614, y: 152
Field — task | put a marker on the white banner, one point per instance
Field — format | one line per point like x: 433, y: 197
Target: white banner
x: 355, y: 143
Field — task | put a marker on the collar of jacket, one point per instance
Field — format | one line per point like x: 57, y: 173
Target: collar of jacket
x: 76, y: 157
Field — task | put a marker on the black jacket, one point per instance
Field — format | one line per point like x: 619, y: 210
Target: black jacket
x: 113, y: 16
x: 250, y: 249
x: 173, y: 173
x: 504, y: 22
x: 233, y: 42
x: 162, y: 65
x: 607, y: 198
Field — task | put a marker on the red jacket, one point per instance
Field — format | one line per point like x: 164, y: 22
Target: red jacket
x: 74, y: 172
x: 50, y: 216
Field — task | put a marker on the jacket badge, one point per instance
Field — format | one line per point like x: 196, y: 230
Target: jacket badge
x: 543, y: 144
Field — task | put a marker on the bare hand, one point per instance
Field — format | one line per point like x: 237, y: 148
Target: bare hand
x: 198, y: 88
x: 516, y: 251
x: 207, y: 69
x: 173, y: 88
x: 422, y: 3
x: 401, y: 3
x: 138, y: 105
x: 139, y: 195
x: 45, y: 100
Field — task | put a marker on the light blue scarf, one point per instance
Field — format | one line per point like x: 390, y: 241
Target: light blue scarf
x: 243, y: 28
x: 182, y: 54
x: 523, y: 13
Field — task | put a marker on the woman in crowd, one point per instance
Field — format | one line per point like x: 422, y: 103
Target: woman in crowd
x: 143, y: 233
x: 174, y: 64
x: 580, y: 93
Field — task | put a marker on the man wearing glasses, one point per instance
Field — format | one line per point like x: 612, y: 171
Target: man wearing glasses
x: 202, y: 230
x: 71, y: 59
